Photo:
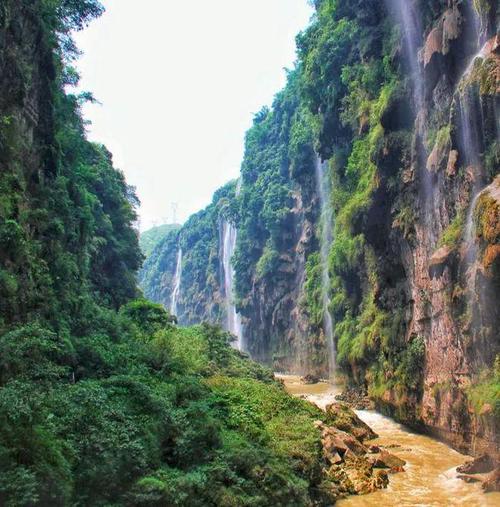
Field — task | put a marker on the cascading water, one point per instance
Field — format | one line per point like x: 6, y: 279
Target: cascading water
x: 406, y: 12
x: 412, y: 37
x: 471, y: 139
x: 233, y: 318
x: 177, y: 283
x: 325, y: 242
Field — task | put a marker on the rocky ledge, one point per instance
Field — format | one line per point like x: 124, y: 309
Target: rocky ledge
x: 353, y: 467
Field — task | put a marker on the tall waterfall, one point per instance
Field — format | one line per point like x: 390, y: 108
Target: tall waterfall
x: 233, y: 318
x: 177, y: 283
x: 471, y: 138
x: 412, y: 38
x: 407, y: 14
x: 322, y: 187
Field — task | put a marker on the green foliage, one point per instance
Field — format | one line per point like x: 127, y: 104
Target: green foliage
x: 180, y: 417
x: 452, y: 235
x: 313, y: 289
x: 399, y: 368
x: 268, y: 261
x: 149, y: 239
x: 34, y: 353
x: 103, y: 399
x: 486, y: 391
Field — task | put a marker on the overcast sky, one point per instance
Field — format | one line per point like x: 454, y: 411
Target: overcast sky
x: 179, y: 82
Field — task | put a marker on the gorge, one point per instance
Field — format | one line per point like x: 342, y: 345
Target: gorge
x: 325, y: 331
x: 368, y: 217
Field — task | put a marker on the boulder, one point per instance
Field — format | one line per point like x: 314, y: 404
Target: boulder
x: 336, y: 441
x: 479, y: 465
x: 489, y: 482
x: 357, y: 477
x: 439, y: 261
x: 356, y: 398
x: 492, y: 481
x: 439, y: 38
x: 345, y: 419
x: 387, y: 460
x: 309, y: 379
x: 363, y: 478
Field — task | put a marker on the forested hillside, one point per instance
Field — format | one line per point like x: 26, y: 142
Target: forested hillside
x: 150, y: 238
x: 392, y: 111
x: 103, y: 399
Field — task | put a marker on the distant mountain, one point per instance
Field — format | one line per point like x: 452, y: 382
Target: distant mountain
x: 150, y: 238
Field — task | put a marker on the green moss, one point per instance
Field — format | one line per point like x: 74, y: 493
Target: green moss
x: 486, y: 390
x: 487, y: 219
x: 359, y: 338
x: 398, y: 368
x: 452, y: 235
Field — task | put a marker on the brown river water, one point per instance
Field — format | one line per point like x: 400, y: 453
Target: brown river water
x: 429, y: 478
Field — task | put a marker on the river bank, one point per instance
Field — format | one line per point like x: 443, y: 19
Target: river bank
x: 430, y: 477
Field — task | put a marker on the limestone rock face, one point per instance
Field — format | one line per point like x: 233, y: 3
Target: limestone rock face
x: 447, y: 29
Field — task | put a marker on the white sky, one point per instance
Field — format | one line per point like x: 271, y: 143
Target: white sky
x: 179, y: 82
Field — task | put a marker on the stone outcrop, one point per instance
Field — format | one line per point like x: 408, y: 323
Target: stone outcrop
x: 351, y: 467
x: 344, y: 418
x: 356, y: 398
x: 482, y: 464
x: 385, y: 459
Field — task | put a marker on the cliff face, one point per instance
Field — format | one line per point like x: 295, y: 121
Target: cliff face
x: 405, y: 117
x: 66, y: 214
x: 451, y: 289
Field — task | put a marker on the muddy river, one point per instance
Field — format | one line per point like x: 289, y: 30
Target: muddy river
x: 429, y: 478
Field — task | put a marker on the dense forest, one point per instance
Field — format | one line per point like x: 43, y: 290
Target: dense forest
x: 103, y: 399
x: 368, y: 216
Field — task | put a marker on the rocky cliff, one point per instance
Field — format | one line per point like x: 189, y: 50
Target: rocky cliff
x: 400, y: 100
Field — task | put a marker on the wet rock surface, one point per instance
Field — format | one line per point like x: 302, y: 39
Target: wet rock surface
x: 356, y: 398
x: 310, y: 379
x: 481, y: 464
x: 385, y: 459
x: 484, y: 469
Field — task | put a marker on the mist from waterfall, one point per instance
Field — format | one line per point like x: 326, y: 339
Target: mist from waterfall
x: 233, y: 318
x: 177, y: 283
x: 323, y: 187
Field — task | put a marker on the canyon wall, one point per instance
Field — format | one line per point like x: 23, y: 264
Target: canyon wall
x: 399, y: 102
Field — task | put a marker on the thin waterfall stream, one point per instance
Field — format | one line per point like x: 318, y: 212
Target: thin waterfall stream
x: 322, y: 187
x: 177, y: 283
x: 233, y: 318
x: 471, y: 126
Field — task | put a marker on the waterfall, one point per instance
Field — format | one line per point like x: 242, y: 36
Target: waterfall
x: 233, y: 318
x: 471, y: 123
x: 412, y: 38
x: 177, y: 283
x: 407, y: 14
x: 322, y: 187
